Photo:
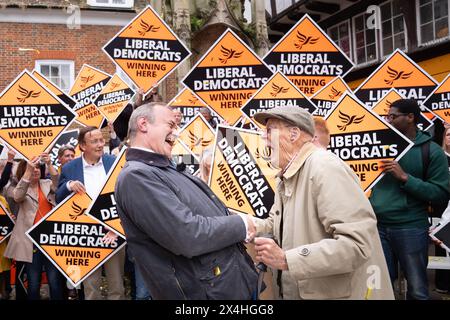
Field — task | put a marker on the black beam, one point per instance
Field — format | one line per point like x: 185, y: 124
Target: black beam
x: 282, y: 27
x: 324, y: 7
x: 296, y: 15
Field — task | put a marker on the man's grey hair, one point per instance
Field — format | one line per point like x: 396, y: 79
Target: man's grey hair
x: 146, y: 111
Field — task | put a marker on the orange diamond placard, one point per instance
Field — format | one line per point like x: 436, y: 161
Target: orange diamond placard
x: 382, y: 108
x: 361, y: 138
x: 400, y: 72
x: 278, y: 91
x: 308, y: 57
x: 197, y: 135
x: 188, y: 103
x: 6, y: 223
x: 325, y: 99
x: 64, y: 97
x: 72, y: 241
x: 146, y: 49
x: 103, y: 208
x: 114, y: 97
x: 227, y: 76
x: 242, y: 175
x: 31, y: 116
x: 439, y: 100
x: 88, y: 85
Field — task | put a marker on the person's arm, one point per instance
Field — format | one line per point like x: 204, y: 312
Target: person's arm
x: 436, y: 185
x: 170, y: 222
x: 54, y: 175
x: 67, y: 186
x: 347, y: 217
x: 20, y: 191
x: 6, y: 174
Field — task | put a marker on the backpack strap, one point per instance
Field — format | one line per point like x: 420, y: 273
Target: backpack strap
x: 425, y: 158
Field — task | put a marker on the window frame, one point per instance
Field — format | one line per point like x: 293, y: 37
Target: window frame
x: 40, y: 62
x: 355, y: 54
x: 350, y: 36
x: 418, y: 23
x: 94, y: 3
x: 405, y: 31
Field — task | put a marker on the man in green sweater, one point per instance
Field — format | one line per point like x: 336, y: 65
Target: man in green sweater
x: 401, y: 199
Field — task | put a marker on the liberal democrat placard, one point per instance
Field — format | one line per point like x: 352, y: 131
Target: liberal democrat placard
x: 308, y: 57
x: 88, y: 85
x: 278, y: 91
x: 114, y: 97
x: 69, y: 137
x: 182, y: 156
x: 439, y: 100
x: 383, y: 106
x: 6, y: 223
x: 72, y: 241
x: 362, y: 138
x: 146, y: 49
x: 189, y: 105
x: 246, y: 123
x: 31, y: 116
x: 325, y: 99
x: 241, y: 174
x: 197, y: 135
x: 227, y: 76
x: 400, y: 72
x: 103, y: 208
x: 64, y: 97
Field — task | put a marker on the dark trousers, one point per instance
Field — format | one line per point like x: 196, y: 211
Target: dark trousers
x: 34, y: 275
x: 409, y: 247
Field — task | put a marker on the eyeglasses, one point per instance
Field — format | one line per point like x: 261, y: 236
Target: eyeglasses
x: 393, y: 116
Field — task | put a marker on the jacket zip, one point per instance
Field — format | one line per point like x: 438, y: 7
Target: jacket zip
x: 178, y: 284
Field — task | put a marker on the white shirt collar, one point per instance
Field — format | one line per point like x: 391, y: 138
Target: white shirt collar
x: 86, y: 164
x: 143, y: 149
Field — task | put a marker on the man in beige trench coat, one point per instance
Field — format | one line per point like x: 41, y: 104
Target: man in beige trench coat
x: 326, y: 244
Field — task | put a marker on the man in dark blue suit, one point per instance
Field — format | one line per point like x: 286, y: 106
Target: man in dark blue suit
x: 87, y: 174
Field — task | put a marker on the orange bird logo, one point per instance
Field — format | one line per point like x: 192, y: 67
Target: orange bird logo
x: 85, y: 80
x: 278, y: 89
x: 193, y: 99
x: 26, y: 94
x: 195, y: 141
x: 395, y: 75
x: 304, y: 40
x: 335, y: 93
x: 114, y: 85
x: 145, y: 27
x: 77, y: 211
x: 228, y: 54
x: 348, y: 120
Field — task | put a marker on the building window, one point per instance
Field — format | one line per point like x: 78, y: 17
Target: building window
x: 364, y: 40
x: 59, y: 72
x: 433, y: 20
x: 340, y: 34
x: 282, y: 5
x: 111, y: 3
x: 393, y: 30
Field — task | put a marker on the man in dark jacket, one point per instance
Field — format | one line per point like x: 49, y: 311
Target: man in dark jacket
x: 401, y: 198
x: 185, y: 243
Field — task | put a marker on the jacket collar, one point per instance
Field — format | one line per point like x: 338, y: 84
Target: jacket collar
x: 305, y: 151
x: 147, y: 157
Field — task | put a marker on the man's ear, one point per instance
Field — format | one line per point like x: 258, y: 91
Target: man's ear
x: 294, y: 134
x: 142, y: 124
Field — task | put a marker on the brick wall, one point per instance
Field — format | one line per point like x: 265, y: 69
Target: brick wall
x: 54, y: 41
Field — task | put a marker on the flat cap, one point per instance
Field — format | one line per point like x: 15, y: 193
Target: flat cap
x: 297, y: 116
